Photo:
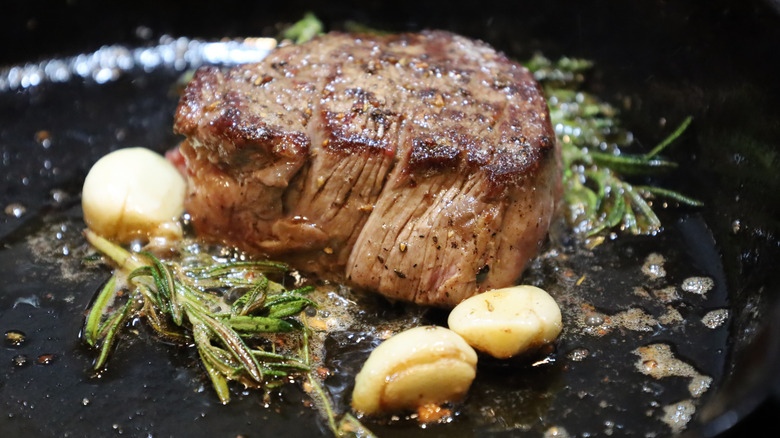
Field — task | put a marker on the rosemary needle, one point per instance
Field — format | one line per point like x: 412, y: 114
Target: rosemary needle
x: 677, y: 132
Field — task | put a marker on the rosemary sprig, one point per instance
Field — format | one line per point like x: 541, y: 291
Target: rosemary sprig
x: 597, y: 196
x: 175, y: 303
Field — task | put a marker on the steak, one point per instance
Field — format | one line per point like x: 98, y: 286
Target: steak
x: 421, y: 166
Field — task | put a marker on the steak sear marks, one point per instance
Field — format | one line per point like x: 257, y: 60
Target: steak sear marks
x: 422, y: 166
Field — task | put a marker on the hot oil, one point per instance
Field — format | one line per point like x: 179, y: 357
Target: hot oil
x: 645, y: 324
x: 638, y: 342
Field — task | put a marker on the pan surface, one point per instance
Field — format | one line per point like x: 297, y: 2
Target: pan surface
x: 716, y: 62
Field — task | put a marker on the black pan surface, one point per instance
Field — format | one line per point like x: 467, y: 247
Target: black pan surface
x: 716, y: 62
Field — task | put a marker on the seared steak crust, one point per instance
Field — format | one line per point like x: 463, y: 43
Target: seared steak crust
x: 422, y: 166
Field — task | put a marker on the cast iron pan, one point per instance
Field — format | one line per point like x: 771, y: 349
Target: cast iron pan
x: 717, y: 62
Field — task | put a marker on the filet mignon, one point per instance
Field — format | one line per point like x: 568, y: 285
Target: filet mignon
x: 422, y: 166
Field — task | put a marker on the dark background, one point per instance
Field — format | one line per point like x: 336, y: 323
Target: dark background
x: 722, y: 59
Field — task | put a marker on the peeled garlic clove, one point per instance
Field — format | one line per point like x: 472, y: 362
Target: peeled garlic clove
x: 420, y: 366
x: 507, y: 322
x: 133, y: 193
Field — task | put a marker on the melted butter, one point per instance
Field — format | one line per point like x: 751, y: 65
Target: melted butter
x: 677, y: 415
x: 658, y: 361
x: 698, y: 285
x: 653, y: 267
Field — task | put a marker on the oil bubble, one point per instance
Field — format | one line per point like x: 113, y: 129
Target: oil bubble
x: 15, y: 338
x: 698, y: 285
x: 579, y: 354
x: 20, y: 360
x: 45, y: 359
x: 594, y: 320
x: 16, y: 210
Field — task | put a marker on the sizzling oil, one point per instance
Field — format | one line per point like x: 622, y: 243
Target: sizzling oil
x: 620, y: 301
